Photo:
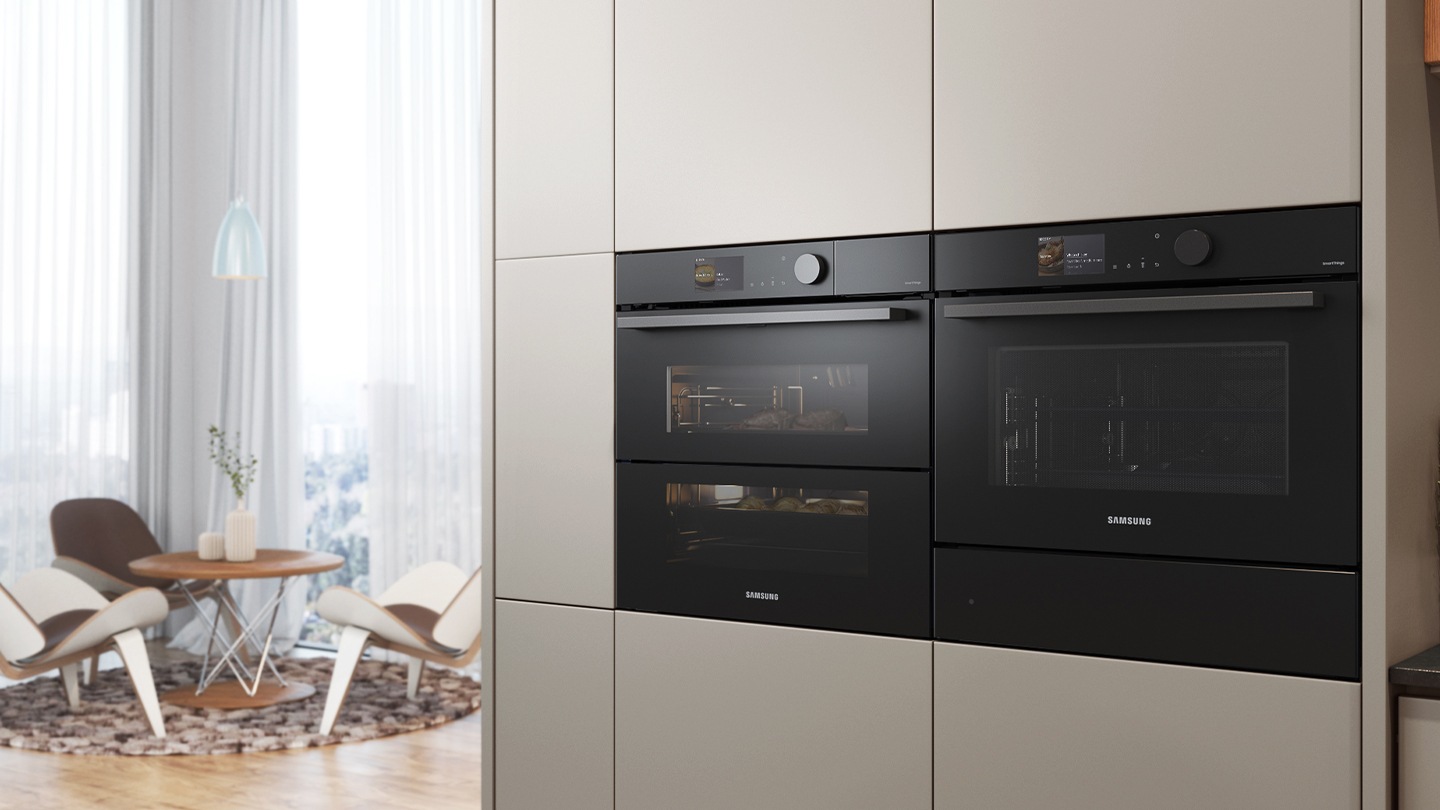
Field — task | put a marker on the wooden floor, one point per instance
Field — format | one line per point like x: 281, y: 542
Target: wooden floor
x: 436, y: 769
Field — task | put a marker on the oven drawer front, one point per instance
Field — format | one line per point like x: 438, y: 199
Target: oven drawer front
x: 843, y: 384
x: 832, y: 549
x: 1283, y: 620
x: 1219, y: 425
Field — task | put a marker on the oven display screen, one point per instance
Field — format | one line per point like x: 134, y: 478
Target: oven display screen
x: 720, y: 273
x: 1075, y: 255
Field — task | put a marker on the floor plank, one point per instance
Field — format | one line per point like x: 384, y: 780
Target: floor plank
x: 434, y: 769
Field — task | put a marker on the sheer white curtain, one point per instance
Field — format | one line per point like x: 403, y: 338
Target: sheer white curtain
x: 424, y: 282
x: 259, y: 384
x: 66, y: 351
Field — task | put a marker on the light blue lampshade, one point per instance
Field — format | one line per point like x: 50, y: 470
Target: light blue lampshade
x: 239, y: 251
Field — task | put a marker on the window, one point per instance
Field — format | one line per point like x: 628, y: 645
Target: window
x: 65, y: 266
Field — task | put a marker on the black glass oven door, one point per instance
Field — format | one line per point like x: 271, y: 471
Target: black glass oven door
x: 825, y: 385
x: 1221, y: 424
x: 835, y: 549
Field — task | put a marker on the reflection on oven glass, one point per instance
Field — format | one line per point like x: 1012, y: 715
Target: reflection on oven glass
x: 1196, y: 418
x: 814, y: 398
x: 764, y: 528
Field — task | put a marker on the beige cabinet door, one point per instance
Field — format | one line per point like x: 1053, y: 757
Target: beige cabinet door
x: 756, y: 120
x: 552, y: 695
x: 1053, y: 110
x: 718, y: 715
x: 1021, y: 730
x: 1419, y: 753
x: 554, y: 128
x: 554, y: 430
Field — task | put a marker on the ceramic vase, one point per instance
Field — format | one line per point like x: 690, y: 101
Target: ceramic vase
x: 240, y: 534
x: 212, y: 546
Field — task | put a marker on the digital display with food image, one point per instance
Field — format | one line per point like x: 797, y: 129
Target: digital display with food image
x: 720, y: 273
x: 1075, y: 255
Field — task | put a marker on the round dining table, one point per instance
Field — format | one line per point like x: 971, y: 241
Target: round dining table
x: 223, y: 651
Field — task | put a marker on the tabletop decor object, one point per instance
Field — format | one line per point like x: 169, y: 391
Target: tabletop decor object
x: 211, y: 546
x: 240, y: 523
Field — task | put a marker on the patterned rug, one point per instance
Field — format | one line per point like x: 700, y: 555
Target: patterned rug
x: 35, y: 715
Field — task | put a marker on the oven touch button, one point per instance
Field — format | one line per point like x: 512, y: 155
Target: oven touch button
x: 1192, y: 247
x: 809, y: 268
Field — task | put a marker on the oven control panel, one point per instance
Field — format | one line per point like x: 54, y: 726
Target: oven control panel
x: 1220, y: 247
x: 882, y: 265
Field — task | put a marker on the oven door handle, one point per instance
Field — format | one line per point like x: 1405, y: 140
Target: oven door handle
x: 801, y: 316
x: 1305, y: 299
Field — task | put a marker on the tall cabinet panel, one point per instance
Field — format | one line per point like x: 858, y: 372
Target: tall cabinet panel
x: 718, y: 715
x: 755, y: 120
x: 1034, y: 731
x: 554, y: 127
x: 554, y: 441
x: 1052, y: 110
x: 553, y: 697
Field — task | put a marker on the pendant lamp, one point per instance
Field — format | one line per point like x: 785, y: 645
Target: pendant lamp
x: 239, y: 251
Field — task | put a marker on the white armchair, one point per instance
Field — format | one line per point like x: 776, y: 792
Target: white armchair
x: 52, y: 619
x: 430, y: 614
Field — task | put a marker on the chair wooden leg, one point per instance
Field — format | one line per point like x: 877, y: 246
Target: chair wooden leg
x: 92, y: 668
x: 68, y: 675
x: 413, y: 681
x: 351, y: 647
x: 137, y: 662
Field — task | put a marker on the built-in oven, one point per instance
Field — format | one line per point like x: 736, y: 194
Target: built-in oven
x: 1146, y: 439
x: 773, y: 433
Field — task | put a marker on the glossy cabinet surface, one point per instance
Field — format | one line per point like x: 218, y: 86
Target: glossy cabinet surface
x: 721, y: 715
x: 554, y: 440
x: 554, y: 128
x: 1026, y: 730
x: 553, y: 698
x: 755, y: 121
x: 1048, y: 111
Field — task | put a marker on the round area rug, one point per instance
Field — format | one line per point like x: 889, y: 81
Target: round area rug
x: 35, y: 715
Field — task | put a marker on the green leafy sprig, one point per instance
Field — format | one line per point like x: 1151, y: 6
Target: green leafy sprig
x: 240, y: 472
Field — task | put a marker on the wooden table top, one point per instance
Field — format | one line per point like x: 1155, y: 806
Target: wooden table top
x: 268, y: 562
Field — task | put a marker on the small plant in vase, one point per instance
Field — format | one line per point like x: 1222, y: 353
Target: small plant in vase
x: 239, y: 524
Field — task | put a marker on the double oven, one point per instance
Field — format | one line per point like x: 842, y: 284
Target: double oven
x: 773, y: 433
x: 1136, y: 439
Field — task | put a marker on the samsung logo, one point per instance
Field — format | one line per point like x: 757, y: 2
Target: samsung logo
x: 1127, y: 521
x: 769, y: 597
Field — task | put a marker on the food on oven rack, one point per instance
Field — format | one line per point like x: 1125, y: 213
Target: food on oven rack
x: 821, y: 419
x: 768, y: 419
x: 787, y: 504
x: 824, y: 506
x: 852, y: 509
x: 752, y: 502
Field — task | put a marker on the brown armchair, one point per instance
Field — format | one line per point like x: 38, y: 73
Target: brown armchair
x: 97, y: 538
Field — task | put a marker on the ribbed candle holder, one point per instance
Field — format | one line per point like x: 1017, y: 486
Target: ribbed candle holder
x: 212, y: 546
x: 240, y: 535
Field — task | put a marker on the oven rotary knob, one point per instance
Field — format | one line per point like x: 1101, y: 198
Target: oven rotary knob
x: 809, y: 268
x: 1192, y: 247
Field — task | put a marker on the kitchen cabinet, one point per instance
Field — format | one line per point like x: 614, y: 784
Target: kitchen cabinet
x: 1024, y: 730
x: 755, y: 120
x: 554, y: 448
x: 1050, y: 110
x: 1419, y: 753
x: 552, y: 695
x: 724, y: 715
x: 554, y: 127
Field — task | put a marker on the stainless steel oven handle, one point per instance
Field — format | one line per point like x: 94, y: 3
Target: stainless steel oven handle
x: 802, y: 316
x: 1169, y: 303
